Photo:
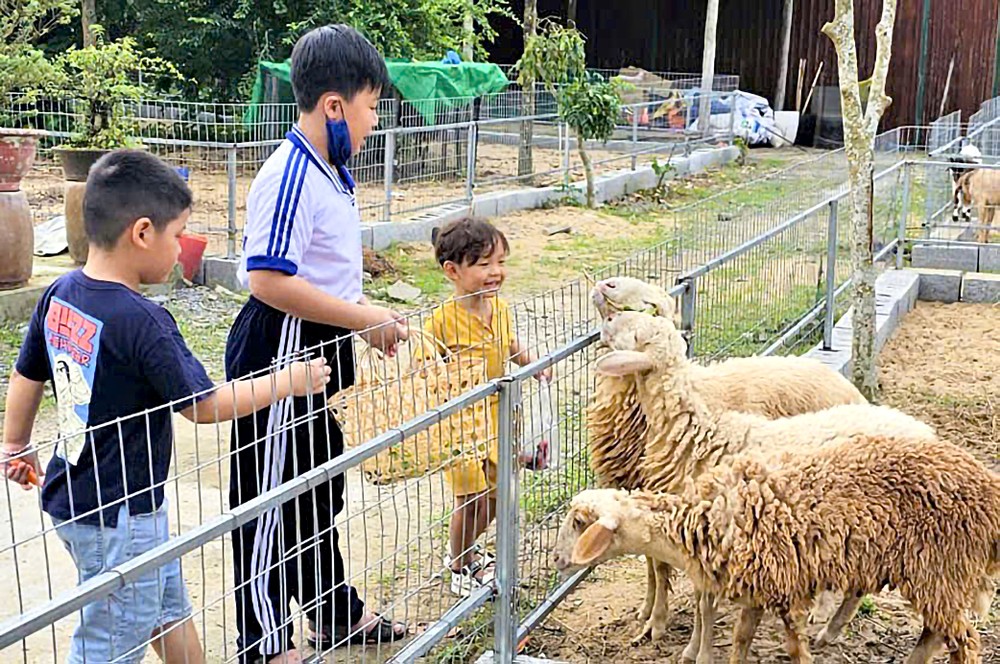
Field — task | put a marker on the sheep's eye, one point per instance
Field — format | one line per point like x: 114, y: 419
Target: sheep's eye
x: 579, y: 523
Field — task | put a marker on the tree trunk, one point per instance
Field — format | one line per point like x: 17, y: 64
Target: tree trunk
x: 88, y: 17
x: 525, y: 165
x: 708, y: 66
x: 859, y: 143
x: 588, y: 169
x: 786, y: 43
x: 571, y: 11
x: 468, y: 34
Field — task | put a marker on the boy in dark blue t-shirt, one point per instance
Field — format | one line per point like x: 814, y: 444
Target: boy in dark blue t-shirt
x: 119, y: 368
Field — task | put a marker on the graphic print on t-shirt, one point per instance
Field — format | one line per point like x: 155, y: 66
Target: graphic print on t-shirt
x: 72, y: 339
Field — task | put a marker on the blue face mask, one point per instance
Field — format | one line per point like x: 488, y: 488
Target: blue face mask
x: 338, y: 142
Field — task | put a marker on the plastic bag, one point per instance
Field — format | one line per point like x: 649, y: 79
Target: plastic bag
x: 540, y: 449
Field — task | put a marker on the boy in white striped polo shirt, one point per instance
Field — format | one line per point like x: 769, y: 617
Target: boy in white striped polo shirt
x: 302, y: 263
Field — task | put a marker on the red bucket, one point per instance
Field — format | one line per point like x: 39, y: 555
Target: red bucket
x: 192, y: 249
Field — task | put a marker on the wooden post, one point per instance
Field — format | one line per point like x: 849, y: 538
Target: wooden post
x: 708, y: 66
x: 571, y: 11
x: 859, y: 144
x: 786, y: 45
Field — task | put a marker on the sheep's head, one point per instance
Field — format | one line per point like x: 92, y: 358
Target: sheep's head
x: 640, y: 343
x: 628, y: 294
x: 588, y: 534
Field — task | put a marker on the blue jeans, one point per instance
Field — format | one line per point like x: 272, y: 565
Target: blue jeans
x: 118, y: 628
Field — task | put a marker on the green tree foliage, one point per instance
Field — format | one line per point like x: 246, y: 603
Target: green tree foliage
x: 24, y: 69
x: 216, y: 44
x: 556, y: 57
x: 103, y: 78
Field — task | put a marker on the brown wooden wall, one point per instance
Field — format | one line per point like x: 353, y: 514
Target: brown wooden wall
x: 667, y: 35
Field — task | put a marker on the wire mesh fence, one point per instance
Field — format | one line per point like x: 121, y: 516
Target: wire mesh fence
x: 754, y: 268
x: 426, y: 153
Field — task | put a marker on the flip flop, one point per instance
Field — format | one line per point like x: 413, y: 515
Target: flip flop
x: 384, y: 631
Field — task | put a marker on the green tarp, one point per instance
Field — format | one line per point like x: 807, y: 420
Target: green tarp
x: 423, y: 84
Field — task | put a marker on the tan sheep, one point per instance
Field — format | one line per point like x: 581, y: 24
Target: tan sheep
x: 920, y: 516
x: 688, y: 438
x: 770, y: 386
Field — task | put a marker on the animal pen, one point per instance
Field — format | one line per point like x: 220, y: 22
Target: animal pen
x: 763, y: 268
x: 424, y: 155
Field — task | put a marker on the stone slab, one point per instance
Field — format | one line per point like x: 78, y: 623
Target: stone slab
x: 946, y: 257
x: 940, y: 285
x: 989, y: 259
x: 981, y: 288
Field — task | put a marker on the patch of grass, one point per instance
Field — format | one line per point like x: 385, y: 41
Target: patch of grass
x: 417, y: 267
x: 867, y: 607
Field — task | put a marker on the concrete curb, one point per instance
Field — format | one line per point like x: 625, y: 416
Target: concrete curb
x: 895, y: 296
x: 608, y: 187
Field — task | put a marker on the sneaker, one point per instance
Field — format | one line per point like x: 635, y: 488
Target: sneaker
x: 487, y: 559
x: 467, y: 579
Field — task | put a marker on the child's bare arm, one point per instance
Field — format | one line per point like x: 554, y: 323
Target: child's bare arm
x: 248, y: 396
x: 23, y: 399
x: 522, y: 356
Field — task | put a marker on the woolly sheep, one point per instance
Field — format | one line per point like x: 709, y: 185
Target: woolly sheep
x: 687, y: 438
x: 920, y: 516
x: 770, y: 386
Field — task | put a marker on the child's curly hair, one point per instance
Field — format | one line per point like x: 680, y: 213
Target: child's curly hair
x: 466, y: 241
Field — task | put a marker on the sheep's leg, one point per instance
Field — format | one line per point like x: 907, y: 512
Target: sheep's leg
x: 690, y: 653
x: 985, y: 219
x: 706, y: 607
x: 927, y: 646
x: 656, y: 626
x: 746, y: 628
x: 965, y: 648
x: 836, y: 624
x: 647, y: 604
x: 796, y: 646
x: 991, y: 212
x: 658, y: 618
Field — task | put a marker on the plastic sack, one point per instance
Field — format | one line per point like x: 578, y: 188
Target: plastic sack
x: 540, y: 445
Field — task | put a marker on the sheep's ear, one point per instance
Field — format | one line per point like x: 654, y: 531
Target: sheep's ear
x: 623, y: 363
x: 592, y: 544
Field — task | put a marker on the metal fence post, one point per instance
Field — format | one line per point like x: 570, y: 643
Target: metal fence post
x: 505, y: 605
x: 689, y: 307
x: 388, y: 167
x: 904, y: 216
x: 231, y: 230
x: 470, y: 166
x: 635, y: 135
x: 831, y: 276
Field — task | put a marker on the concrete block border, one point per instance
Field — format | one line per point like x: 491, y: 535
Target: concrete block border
x: 608, y: 187
x: 895, y: 296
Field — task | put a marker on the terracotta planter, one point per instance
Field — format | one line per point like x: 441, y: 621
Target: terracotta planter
x: 17, y: 240
x: 17, y: 155
x: 76, y: 163
x: 76, y: 234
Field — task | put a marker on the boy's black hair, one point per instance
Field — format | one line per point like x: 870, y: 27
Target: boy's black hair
x: 125, y: 186
x: 466, y: 241
x: 335, y: 58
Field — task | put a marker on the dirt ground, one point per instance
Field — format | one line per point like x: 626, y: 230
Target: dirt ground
x: 942, y: 366
x: 496, y: 168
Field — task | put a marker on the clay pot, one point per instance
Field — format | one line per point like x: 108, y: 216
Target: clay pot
x: 76, y: 234
x: 17, y: 240
x: 76, y: 163
x: 17, y: 155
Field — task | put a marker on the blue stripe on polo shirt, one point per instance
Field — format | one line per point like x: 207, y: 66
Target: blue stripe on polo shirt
x: 288, y: 203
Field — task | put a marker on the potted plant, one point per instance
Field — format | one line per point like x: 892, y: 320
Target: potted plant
x: 102, y: 81
x: 24, y: 72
